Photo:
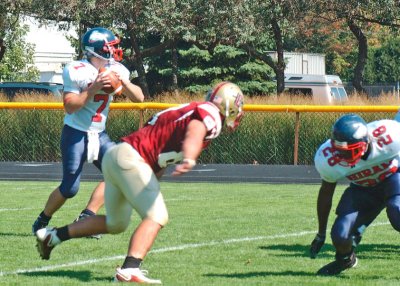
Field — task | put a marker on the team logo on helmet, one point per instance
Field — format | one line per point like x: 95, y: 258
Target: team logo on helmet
x: 101, y: 43
x: 229, y: 99
x: 97, y: 36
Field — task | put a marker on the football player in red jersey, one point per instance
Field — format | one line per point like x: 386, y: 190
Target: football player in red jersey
x: 132, y: 168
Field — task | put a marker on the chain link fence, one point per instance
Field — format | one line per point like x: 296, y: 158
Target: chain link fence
x: 269, y: 136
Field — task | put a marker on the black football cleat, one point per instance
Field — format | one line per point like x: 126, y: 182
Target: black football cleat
x: 39, y: 224
x: 339, y: 265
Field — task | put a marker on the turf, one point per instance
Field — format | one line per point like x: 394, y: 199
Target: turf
x: 218, y: 234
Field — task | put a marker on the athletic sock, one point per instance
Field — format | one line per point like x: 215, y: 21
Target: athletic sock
x: 63, y: 233
x: 44, y: 218
x: 88, y: 212
x: 131, y: 262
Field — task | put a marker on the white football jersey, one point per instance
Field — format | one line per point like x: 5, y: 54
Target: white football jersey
x: 77, y: 77
x: 382, y: 160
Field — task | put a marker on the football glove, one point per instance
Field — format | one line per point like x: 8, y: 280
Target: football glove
x: 316, y: 245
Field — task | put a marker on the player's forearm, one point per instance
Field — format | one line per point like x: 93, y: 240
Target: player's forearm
x: 74, y: 102
x: 133, y: 91
x: 194, y: 138
x: 192, y: 148
x: 324, y: 206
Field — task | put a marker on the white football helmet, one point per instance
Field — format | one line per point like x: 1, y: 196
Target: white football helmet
x: 228, y: 98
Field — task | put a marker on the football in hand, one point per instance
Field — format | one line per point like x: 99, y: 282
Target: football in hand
x: 115, y: 82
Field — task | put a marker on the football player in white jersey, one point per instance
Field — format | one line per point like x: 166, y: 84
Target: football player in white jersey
x: 368, y: 156
x: 83, y: 136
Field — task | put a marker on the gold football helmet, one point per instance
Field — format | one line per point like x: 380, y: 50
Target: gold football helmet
x: 229, y: 99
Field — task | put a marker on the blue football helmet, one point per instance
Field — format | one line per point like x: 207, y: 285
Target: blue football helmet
x: 349, y: 139
x: 101, y: 43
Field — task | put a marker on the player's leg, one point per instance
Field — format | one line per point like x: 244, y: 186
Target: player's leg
x: 393, y: 211
x: 141, y: 189
x: 357, y: 207
x: 72, y: 151
x: 119, y: 212
x: 392, y: 199
x: 96, y: 200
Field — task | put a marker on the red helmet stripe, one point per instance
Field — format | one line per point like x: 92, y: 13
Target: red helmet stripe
x: 216, y: 89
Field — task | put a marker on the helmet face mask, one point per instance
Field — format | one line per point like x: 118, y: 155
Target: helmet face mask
x: 229, y: 99
x: 101, y: 43
x: 351, y: 154
x: 349, y: 139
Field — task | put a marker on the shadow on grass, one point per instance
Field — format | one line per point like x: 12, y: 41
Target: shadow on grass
x: 15, y: 234
x: 297, y: 249
x: 370, y: 251
x: 84, y: 276
x: 259, y: 274
x: 345, y: 276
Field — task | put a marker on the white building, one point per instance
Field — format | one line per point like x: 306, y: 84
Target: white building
x: 52, y: 49
x: 302, y: 63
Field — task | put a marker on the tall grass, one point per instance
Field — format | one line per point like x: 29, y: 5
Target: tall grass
x: 184, y: 97
x: 263, y: 137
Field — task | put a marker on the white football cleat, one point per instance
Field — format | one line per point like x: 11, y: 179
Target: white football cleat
x: 46, y: 239
x: 134, y: 275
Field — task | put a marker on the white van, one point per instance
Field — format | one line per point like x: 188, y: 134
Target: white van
x: 323, y: 89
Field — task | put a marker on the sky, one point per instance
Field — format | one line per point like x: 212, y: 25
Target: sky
x: 48, y: 38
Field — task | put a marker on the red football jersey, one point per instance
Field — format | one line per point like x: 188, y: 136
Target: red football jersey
x: 159, y: 142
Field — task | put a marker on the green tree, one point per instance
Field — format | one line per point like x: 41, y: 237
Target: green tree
x: 359, y: 17
x: 17, y: 63
x: 384, y: 65
x: 273, y: 23
x: 134, y: 21
x: 16, y: 56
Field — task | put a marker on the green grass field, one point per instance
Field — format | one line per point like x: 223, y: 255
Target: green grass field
x: 218, y: 234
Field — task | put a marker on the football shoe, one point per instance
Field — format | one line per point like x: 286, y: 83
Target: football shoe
x: 38, y: 224
x: 136, y: 275
x: 46, y: 240
x: 339, y: 265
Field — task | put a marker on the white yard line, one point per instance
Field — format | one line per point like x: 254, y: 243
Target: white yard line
x: 167, y: 249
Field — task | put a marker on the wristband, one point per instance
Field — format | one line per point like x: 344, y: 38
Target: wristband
x: 191, y: 162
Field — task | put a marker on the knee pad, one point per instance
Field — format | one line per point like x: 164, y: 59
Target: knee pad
x: 115, y: 227
x: 69, y: 188
x: 162, y: 220
x: 158, y: 214
x: 341, y: 231
x: 393, y: 211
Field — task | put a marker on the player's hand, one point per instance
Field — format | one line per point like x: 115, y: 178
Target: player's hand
x: 101, y: 81
x: 316, y: 245
x: 186, y: 166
